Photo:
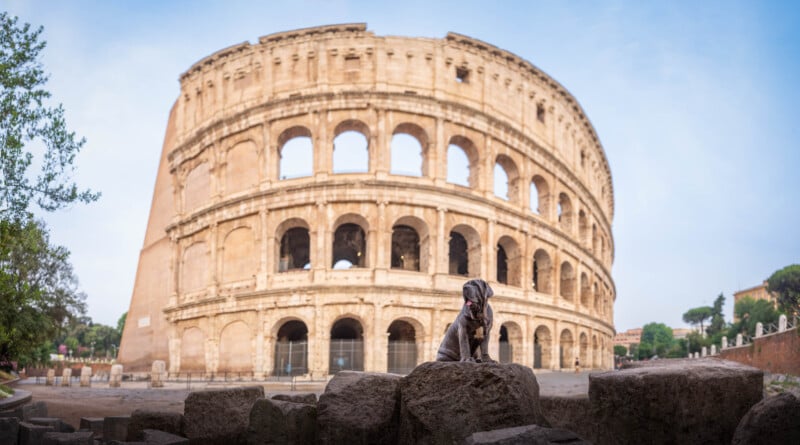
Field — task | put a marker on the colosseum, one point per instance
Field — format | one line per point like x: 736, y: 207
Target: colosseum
x: 323, y: 194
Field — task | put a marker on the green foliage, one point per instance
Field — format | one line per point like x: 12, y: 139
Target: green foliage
x: 656, y: 339
x: 38, y: 290
x: 620, y: 350
x: 121, y: 323
x: 717, y: 326
x: 698, y: 315
x: 785, y: 283
x: 634, y: 350
x: 749, y: 312
x: 24, y: 119
x: 86, y: 338
x: 5, y: 391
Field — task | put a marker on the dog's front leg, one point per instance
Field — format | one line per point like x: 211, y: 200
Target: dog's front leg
x: 463, y: 344
x: 485, y: 346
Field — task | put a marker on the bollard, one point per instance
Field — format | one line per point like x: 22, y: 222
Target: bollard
x: 782, y: 323
x: 759, y: 329
x: 739, y: 340
x: 51, y: 377
x: 724, y: 342
x: 66, y: 377
x: 703, y: 352
x: 115, y: 379
x: 86, y: 376
x: 713, y: 349
x: 157, y: 374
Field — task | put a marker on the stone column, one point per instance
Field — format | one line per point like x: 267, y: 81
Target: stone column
x: 442, y: 251
x: 115, y: 379
x: 759, y: 329
x: 66, y: 376
x: 782, y: 323
x: 258, y: 372
x: 724, y: 342
x: 86, y: 376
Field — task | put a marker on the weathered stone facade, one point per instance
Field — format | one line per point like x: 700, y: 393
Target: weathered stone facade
x: 239, y: 254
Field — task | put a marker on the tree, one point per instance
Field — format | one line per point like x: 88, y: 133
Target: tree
x: 697, y: 316
x: 24, y: 118
x: 121, y: 323
x: 750, y: 312
x: 717, y: 324
x: 656, y: 339
x: 38, y: 290
x: 786, y: 284
x: 620, y: 351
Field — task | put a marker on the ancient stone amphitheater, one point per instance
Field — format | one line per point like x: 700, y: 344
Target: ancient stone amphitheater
x: 323, y: 194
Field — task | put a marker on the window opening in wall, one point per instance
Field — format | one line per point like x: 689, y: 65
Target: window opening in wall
x: 505, y: 354
x: 500, y: 182
x: 583, y: 159
x: 295, y: 250
x: 406, y: 155
x: 540, y: 112
x: 542, y: 268
x: 534, y: 198
x: 350, y: 153
x: 459, y: 261
x: 297, y: 158
x: 346, y: 346
x: 349, y: 244
x: 291, y: 349
x: 560, y: 211
x: 462, y: 74
x: 541, y: 348
x: 402, y: 351
x: 535, y: 275
x: 502, y: 265
x: 567, y: 281
x: 457, y: 166
x: 405, y: 248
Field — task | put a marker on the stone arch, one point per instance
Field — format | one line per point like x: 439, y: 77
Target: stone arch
x: 350, y: 241
x: 583, y: 348
x: 583, y: 229
x: 542, y: 343
x: 511, y: 173
x: 296, y: 153
x: 409, y: 150
x: 465, y: 251
x: 197, y: 188
x: 236, y: 348
x: 402, y: 349
x: 405, y: 248
x: 596, y: 296
x: 346, y: 345
x: 241, y: 172
x: 540, y: 196
x: 239, y: 260
x: 193, y: 350
x: 542, y: 272
x: 586, y: 296
x: 423, y: 242
x: 566, y: 348
x: 510, y: 339
x: 565, y: 212
x: 195, y: 268
x: 509, y: 261
x: 460, y: 145
x: 351, y: 150
x: 291, y: 347
x: 567, y: 285
x: 594, y: 238
x: 294, y: 245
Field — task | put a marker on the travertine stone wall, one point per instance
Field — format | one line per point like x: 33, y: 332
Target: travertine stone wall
x: 215, y: 285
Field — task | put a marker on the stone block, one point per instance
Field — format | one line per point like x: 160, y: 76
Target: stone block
x: 358, y: 408
x: 673, y: 401
x: 30, y: 434
x: 276, y: 422
x: 143, y: 419
x: 59, y: 426
x: 115, y: 428
x: 219, y: 416
x: 50, y: 380
x: 79, y: 438
x: 774, y: 420
x: 570, y: 413
x: 158, y: 374
x: 156, y: 437
x: 9, y: 430
x: 307, y: 398
x: 86, y: 376
x: 66, y: 376
x: 93, y: 424
x: 445, y: 402
x: 35, y: 409
x: 525, y: 435
x: 115, y: 379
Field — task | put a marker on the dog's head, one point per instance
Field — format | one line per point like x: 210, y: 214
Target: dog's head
x: 476, y: 298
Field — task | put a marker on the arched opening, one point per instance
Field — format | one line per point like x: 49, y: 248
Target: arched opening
x: 506, y: 353
x: 595, y: 353
x: 564, y: 212
x: 236, y: 348
x: 291, y: 349
x: 508, y: 261
x: 462, y: 165
x: 566, y: 347
x: 402, y: 352
x: 586, y: 296
x: 500, y: 182
x: 542, y: 341
x: 350, y: 149
x: 295, y: 250
x: 239, y: 260
x: 596, y: 295
x: 408, y: 149
x: 296, y: 152
x: 510, y: 342
x: 583, y: 228
x: 594, y: 239
x: 405, y: 248
x: 349, y: 246
x: 197, y: 188
x: 347, y: 346
x: 567, y: 288
x: 540, y: 196
x: 583, y: 346
x: 542, y: 272
x: 193, y: 350
x: 194, y: 271
x: 464, y: 254
x: 506, y: 179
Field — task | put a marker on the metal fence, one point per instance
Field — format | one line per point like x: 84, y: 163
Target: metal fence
x: 506, y: 352
x: 346, y: 355
x: 291, y: 358
x: 402, y: 357
x: 537, y: 356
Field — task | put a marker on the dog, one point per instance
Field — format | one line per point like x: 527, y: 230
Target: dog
x: 471, y: 328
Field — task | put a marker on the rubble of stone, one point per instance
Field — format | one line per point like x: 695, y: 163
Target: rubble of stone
x: 706, y: 401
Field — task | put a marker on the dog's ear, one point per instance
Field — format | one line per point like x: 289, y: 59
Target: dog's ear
x: 488, y: 292
x: 470, y: 291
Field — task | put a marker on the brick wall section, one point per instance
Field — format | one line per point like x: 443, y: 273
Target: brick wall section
x: 776, y: 353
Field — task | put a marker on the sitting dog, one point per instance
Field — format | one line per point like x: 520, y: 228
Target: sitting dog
x: 471, y: 328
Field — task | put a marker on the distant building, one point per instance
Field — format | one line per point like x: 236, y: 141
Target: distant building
x: 629, y: 337
x: 680, y: 333
x: 757, y: 293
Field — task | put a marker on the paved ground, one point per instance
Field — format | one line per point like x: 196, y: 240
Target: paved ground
x: 72, y: 403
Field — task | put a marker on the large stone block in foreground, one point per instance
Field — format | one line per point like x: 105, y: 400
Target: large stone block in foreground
x: 280, y: 422
x: 772, y: 421
x: 219, y: 416
x: 525, y: 435
x: 445, y: 402
x: 145, y: 419
x: 358, y: 408
x: 673, y: 401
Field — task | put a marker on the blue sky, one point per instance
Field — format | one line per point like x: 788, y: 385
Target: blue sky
x: 693, y: 102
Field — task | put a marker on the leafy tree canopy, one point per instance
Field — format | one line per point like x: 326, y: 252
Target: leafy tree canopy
x: 656, y: 339
x: 786, y: 284
x: 26, y: 118
x: 749, y: 312
x: 698, y: 315
x: 620, y: 350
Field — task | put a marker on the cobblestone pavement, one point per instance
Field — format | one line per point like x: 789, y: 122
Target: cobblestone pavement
x: 72, y: 403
